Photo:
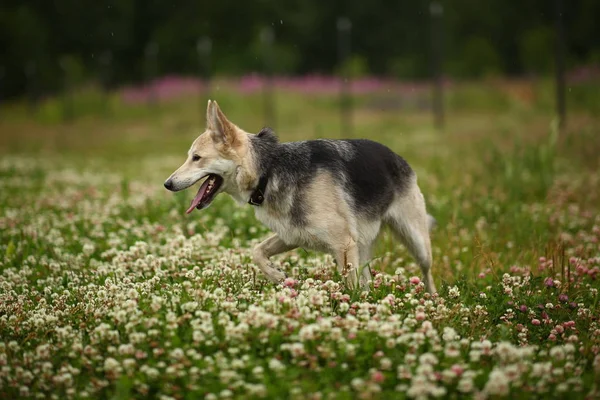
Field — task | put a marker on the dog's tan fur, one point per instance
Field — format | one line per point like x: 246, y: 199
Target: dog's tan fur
x: 330, y: 216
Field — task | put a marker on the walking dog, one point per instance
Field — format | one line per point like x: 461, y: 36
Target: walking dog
x: 325, y: 195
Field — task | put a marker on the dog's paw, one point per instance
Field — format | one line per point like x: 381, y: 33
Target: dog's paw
x: 275, y: 275
x: 365, y: 285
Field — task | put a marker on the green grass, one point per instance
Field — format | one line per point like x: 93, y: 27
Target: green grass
x: 108, y: 290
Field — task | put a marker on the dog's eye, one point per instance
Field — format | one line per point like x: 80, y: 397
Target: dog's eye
x: 195, y: 157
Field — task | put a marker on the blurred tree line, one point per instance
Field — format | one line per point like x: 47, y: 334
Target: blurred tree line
x: 107, y: 40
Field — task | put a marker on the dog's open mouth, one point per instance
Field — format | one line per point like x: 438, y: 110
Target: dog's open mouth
x: 206, y: 193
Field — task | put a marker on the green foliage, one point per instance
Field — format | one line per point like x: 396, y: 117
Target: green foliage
x: 73, y: 69
x: 477, y: 97
x: 405, y: 68
x: 584, y: 96
x: 393, y: 38
x: 478, y: 58
x: 76, y: 103
x: 537, y: 50
x: 354, y: 67
x: 527, y: 171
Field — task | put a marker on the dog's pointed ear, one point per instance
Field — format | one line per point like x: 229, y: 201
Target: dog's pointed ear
x: 221, y: 129
x: 208, y: 107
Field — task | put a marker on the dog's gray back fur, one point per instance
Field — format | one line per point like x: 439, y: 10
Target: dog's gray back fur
x: 370, y: 172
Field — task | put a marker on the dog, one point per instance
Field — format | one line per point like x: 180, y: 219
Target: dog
x: 325, y: 195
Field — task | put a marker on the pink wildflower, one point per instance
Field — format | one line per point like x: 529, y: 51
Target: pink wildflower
x: 563, y: 297
x: 523, y: 308
x: 457, y: 369
x: 559, y: 329
x: 415, y: 280
x: 289, y: 282
x: 377, y: 377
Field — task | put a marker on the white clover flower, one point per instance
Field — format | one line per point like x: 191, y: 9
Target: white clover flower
x: 385, y: 364
x: 357, y: 383
x: 276, y: 365
x: 438, y: 391
x: 596, y: 363
x: 177, y: 354
x: 485, y: 345
x: 112, y: 366
x: 42, y: 351
x: 297, y: 349
x: 450, y: 334
x: 474, y: 356
x: 557, y: 353
x: 151, y: 372
x: 256, y: 390
x: 189, y: 306
x: 453, y: 292
x: 428, y: 358
x: 308, y: 332
x: 24, y: 391
x: 465, y: 385
x: 420, y: 387
x: 125, y: 349
x: 451, y: 350
x: 498, y: 383
x: 88, y: 249
x: 129, y: 364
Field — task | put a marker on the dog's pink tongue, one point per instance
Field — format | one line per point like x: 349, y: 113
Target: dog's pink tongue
x: 198, y: 197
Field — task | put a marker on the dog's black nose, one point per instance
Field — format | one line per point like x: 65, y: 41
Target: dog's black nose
x: 169, y: 184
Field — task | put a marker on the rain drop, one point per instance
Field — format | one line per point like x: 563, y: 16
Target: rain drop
x: 281, y: 21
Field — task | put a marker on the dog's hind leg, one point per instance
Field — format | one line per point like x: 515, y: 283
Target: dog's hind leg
x: 409, y: 219
x: 266, y: 249
x: 364, y: 252
x: 348, y: 262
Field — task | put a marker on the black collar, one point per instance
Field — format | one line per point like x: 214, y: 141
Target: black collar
x: 258, y: 195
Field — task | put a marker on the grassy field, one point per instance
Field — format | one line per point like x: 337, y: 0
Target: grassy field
x: 108, y: 290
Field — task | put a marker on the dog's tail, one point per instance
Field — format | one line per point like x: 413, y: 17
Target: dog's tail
x: 431, y: 222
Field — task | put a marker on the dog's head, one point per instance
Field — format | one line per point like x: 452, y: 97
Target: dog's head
x: 219, y: 154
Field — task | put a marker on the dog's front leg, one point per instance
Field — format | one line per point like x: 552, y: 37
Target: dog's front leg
x: 265, y: 250
x: 348, y: 262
